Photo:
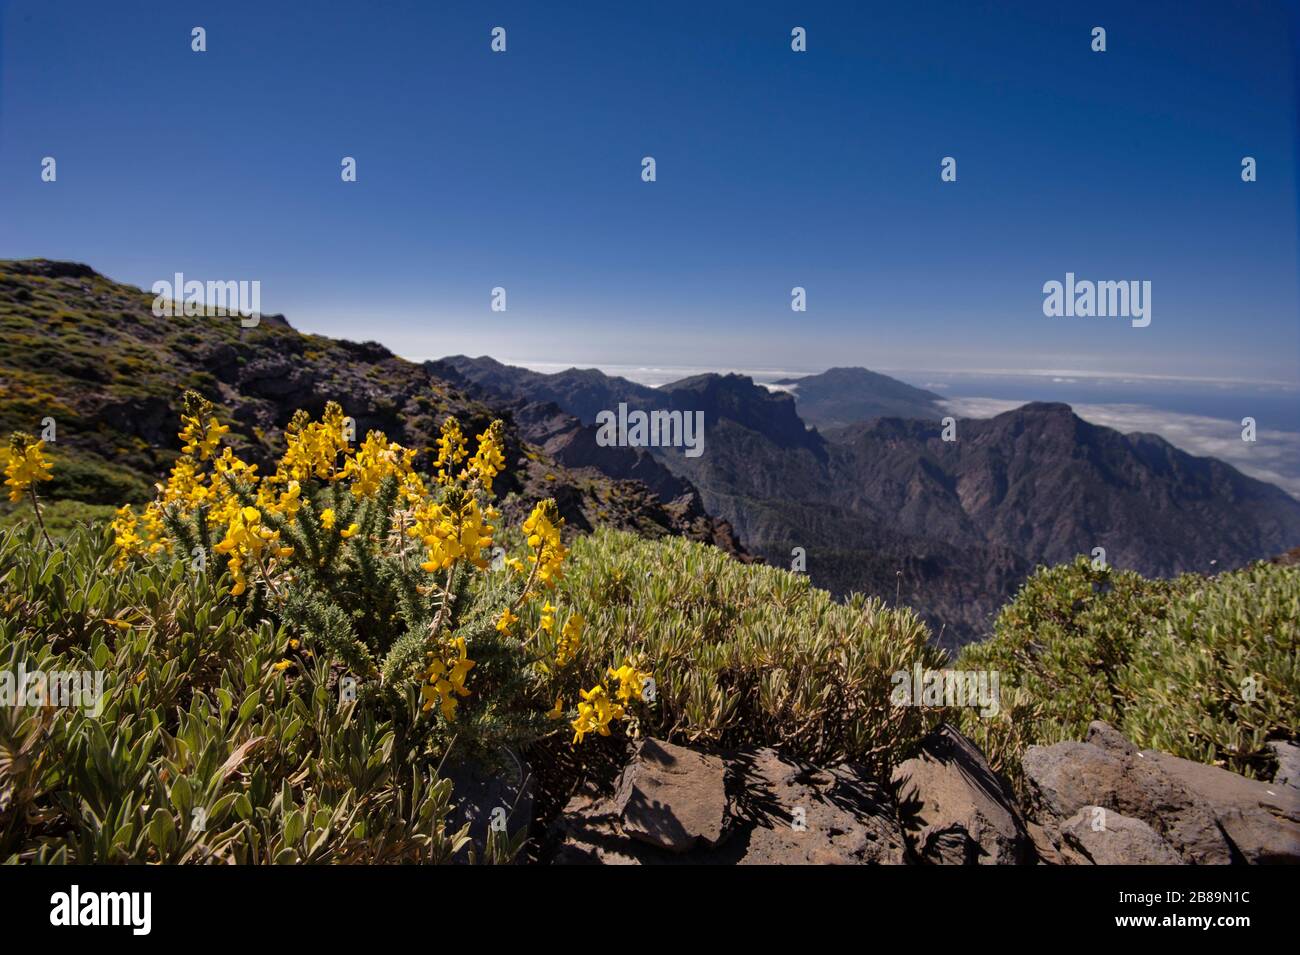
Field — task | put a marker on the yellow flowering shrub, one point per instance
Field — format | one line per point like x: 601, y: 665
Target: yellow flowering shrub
x: 395, y: 576
x: 25, y: 467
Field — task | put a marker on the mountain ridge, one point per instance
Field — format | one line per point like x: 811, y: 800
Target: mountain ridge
x: 952, y: 528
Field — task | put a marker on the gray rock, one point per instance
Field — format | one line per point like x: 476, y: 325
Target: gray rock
x: 1106, y: 737
x: 793, y: 813
x: 1099, y: 836
x: 672, y: 797
x: 1288, y: 763
x: 1209, y: 815
x: 955, y: 809
x: 1261, y: 820
x: 1063, y: 778
x: 1046, y: 843
x: 779, y: 812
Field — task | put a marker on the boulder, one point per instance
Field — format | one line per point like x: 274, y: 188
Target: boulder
x: 1288, y: 763
x: 955, y: 810
x: 1063, y: 778
x: 1261, y: 820
x: 1106, y: 737
x: 792, y: 813
x: 672, y: 797
x: 775, y: 811
x: 1098, y: 836
x: 1209, y: 815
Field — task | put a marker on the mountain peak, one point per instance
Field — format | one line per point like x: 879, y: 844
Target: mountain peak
x: 843, y: 396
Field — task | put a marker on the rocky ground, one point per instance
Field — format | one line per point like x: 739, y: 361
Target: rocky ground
x: 1099, y: 801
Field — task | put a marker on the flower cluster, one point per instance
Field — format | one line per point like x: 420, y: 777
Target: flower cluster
x: 312, y: 447
x: 291, y: 536
x: 452, y: 529
x: 200, y: 431
x: 546, y: 549
x: 566, y: 647
x: 377, y: 459
x: 451, y: 450
x: 249, y: 541
x: 26, y: 465
x: 597, y: 709
x: 595, y: 713
x: 446, y: 674
x: 489, y: 460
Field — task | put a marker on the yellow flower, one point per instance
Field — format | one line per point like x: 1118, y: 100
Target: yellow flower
x: 351, y: 529
x: 201, y: 431
x: 327, y: 518
x: 547, y: 622
x: 566, y: 647
x: 557, y: 711
x: 595, y: 713
x: 375, y: 460
x: 26, y: 464
x: 542, y: 528
x: 446, y: 680
x: 452, y: 530
x: 631, y: 682
x: 246, y: 539
x: 489, y: 460
x: 126, y: 538
x: 506, y: 621
x: 451, y: 450
x: 312, y: 448
x: 281, y: 666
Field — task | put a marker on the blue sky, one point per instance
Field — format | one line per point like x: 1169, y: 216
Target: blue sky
x: 775, y: 169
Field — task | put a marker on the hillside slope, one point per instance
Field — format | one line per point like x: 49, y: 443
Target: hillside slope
x: 89, y: 353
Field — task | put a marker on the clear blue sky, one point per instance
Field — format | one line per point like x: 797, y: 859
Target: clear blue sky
x: 775, y: 169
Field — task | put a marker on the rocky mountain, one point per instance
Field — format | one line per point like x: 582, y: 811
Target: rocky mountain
x: 582, y: 392
x: 844, y: 396
x: 950, y: 528
x: 90, y: 354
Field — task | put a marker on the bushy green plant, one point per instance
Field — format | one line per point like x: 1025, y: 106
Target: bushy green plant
x: 201, y: 748
x: 750, y: 655
x: 1203, y: 667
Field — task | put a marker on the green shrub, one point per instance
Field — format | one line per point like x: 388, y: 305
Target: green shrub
x: 1205, y: 668
x: 202, y: 751
x: 750, y: 655
x: 80, y: 477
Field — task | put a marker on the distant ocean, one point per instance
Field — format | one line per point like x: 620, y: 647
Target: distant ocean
x: 1200, y: 416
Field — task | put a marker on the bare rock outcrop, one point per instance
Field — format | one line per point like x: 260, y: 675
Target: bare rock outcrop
x: 1208, y: 815
x: 956, y: 810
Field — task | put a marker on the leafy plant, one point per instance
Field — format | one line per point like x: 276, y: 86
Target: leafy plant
x: 1203, y: 667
